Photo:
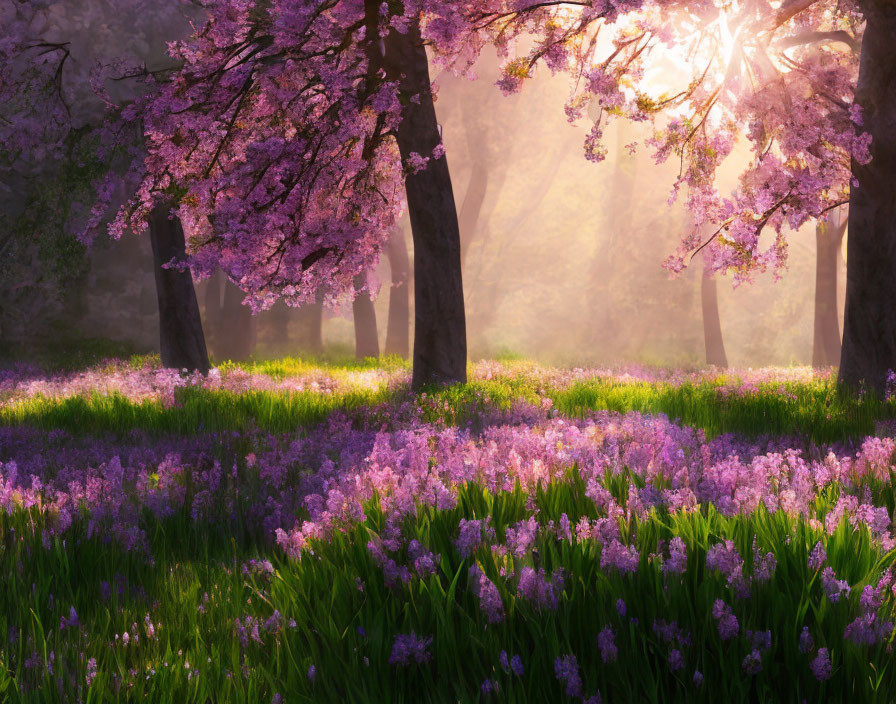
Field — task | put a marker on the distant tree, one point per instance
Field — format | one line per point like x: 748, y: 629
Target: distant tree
x: 712, y: 323
x: 367, y: 343
x: 399, y: 322
x: 232, y: 328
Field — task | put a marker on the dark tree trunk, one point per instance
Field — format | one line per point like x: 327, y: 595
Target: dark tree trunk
x: 214, y: 300
x: 311, y: 334
x: 367, y: 343
x: 232, y: 329
x: 237, y: 328
x: 869, y: 329
x: 277, y: 325
x: 440, y: 333
x: 712, y: 324
x: 399, y: 327
x: 826, y: 342
x: 180, y: 327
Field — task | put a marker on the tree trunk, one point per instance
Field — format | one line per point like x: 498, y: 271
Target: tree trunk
x: 869, y: 329
x: 440, y: 333
x: 712, y: 324
x: 277, y: 327
x: 180, y: 327
x: 367, y: 343
x: 237, y: 330
x: 311, y: 336
x: 399, y: 328
x: 826, y: 342
x: 231, y: 327
x: 213, y: 303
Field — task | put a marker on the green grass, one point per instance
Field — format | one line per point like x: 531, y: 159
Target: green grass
x: 194, y: 411
x: 817, y: 411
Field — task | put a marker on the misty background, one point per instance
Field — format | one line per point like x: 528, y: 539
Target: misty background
x: 562, y: 263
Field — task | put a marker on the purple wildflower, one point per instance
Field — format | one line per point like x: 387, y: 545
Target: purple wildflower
x: 763, y: 565
x: 833, y: 588
x: 71, y: 622
x: 620, y: 557
x: 470, y: 536
x: 727, y: 621
x: 312, y: 673
x: 489, y: 597
x: 821, y: 665
x: 607, y: 646
x: 806, y: 642
x: 91, y: 671
x: 698, y: 678
x: 752, y: 664
x: 535, y: 587
x: 566, y: 669
x: 818, y: 557
x: 867, y: 630
x: 520, y: 537
x: 870, y: 600
x: 725, y: 558
x: 489, y: 686
x: 409, y: 648
x: 676, y: 660
x: 425, y: 562
x: 678, y: 557
x: 516, y: 664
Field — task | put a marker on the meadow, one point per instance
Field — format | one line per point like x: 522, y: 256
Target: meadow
x: 308, y: 531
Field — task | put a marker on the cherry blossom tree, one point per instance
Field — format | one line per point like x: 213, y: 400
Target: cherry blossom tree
x: 810, y: 85
x: 294, y: 133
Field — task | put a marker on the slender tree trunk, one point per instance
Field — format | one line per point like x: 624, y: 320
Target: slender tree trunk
x: 231, y: 327
x: 826, y: 342
x: 277, y: 326
x: 440, y: 333
x: 311, y: 335
x: 214, y: 300
x: 367, y: 343
x: 180, y: 328
x: 237, y: 328
x: 399, y: 327
x: 869, y: 329
x: 712, y: 324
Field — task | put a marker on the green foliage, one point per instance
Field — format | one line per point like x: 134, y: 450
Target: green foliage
x: 816, y: 411
x: 43, y: 262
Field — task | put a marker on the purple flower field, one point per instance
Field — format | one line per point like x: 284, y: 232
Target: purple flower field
x: 629, y: 542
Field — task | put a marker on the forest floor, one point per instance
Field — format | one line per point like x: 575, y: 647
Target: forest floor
x: 299, y: 531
